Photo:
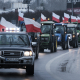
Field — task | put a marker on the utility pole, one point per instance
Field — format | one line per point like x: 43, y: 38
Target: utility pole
x: 72, y: 6
x: 37, y: 3
x: 27, y: 2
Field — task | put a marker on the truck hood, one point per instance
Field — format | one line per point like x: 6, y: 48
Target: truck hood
x: 45, y: 35
x: 16, y: 48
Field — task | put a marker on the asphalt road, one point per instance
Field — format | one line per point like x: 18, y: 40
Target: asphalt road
x: 61, y: 65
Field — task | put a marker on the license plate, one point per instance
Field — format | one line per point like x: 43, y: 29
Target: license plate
x: 12, y: 59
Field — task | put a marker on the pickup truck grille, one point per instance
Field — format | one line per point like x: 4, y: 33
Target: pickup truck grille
x: 12, y: 53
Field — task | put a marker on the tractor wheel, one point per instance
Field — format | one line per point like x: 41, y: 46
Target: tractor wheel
x: 64, y: 45
x: 52, y: 47
x: 77, y: 44
x: 74, y: 45
x: 37, y: 52
x: 41, y: 49
x: 67, y: 44
x: 55, y: 46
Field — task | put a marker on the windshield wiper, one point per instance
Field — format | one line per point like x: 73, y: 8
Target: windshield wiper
x: 22, y: 40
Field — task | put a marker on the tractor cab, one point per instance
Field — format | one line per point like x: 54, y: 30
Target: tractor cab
x: 47, y: 37
x: 72, y: 34
x: 62, y: 37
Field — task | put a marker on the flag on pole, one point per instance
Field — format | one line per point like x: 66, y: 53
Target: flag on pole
x: 6, y: 24
x: 43, y: 18
x: 66, y: 16
x: 31, y: 25
x: 55, y: 17
x: 73, y: 19
x: 20, y: 16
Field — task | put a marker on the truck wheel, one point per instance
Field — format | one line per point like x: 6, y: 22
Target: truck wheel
x: 55, y: 46
x: 30, y: 70
x: 37, y: 52
x: 52, y: 47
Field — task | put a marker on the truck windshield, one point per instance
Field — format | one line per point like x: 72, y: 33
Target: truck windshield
x: 14, y: 39
x: 59, y: 29
x: 71, y: 30
x: 45, y: 28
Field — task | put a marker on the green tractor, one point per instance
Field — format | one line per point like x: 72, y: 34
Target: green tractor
x: 47, y: 38
x: 78, y: 30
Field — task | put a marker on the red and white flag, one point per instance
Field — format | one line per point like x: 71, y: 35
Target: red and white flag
x: 73, y: 19
x: 31, y: 25
x: 6, y: 24
x: 55, y: 17
x: 78, y: 19
x: 43, y: 18
x: 66, y: 16
x: 20, y: 16
x: 62, y: 19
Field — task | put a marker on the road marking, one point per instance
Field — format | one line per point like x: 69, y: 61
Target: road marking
x: 49, y: 64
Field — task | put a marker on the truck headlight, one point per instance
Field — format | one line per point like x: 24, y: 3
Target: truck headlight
x: 77, y: 33
x: 28, y: 53
x: 0, y: 53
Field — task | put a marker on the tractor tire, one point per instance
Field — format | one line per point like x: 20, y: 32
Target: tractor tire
x: 77, y: 44
x: 41, y: 49
x: 64, y: 46
x: 67, y: 43
x: 37, y: 52
x: 52, y: 47
x: 74, y: 45
x: 55, y: 46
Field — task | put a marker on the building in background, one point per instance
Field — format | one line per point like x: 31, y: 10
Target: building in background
x: 76, y: 6
x: 19, y: 5
x: 49, y: 5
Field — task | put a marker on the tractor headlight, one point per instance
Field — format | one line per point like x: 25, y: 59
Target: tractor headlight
x: 73, y: 36
x: 28, y: 53
x: 35, y: 37
x: 77, y: 33
x: 46, y: 39
x: 59, y: 38
x: 42, y: 38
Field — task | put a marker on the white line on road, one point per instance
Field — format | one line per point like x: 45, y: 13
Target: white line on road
x: 49, y: 64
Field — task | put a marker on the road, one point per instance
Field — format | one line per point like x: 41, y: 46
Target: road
x: 61, y: 65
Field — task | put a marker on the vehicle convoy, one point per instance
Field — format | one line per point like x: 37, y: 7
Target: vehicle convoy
x: 16, y: 51
x: 62, y: 37
x: 78, y: 30
x: 47, y: 37
x: 34, y: 38
x: 72, y: 35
